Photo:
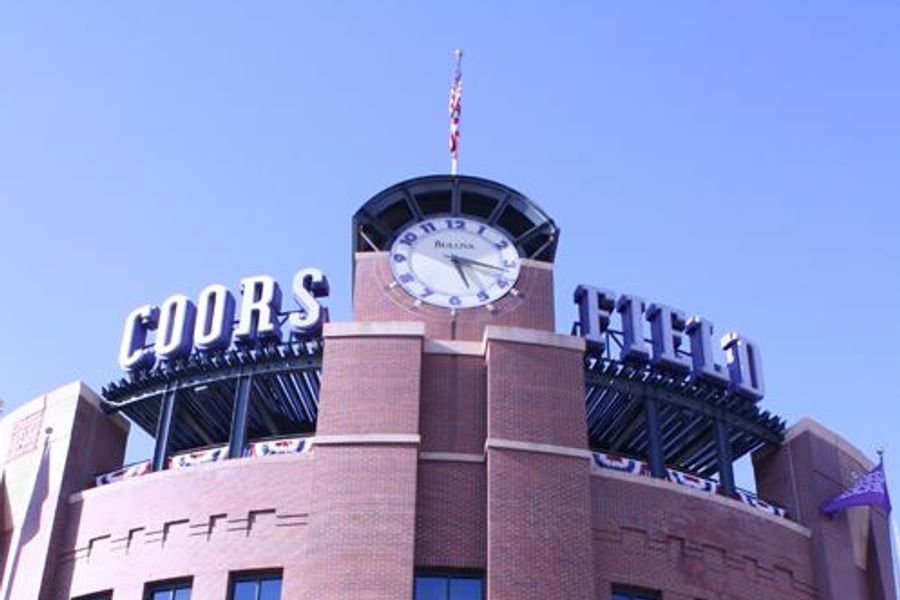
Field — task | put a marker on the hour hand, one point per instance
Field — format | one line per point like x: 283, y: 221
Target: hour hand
x: 456, y: 263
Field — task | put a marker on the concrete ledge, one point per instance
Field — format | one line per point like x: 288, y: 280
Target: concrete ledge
x: 366, y: 438
x: 451, y: 457
x: 374, y: 329
x: 454, y: 347
x: 715, y: 498
x: 370, y: 255
x: 501, y: 444
x: 808, y: 425
x: 522, y: 335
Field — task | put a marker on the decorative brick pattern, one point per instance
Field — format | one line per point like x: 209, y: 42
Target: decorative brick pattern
x: 686, y: 546
x: 204, y: 522
x: 26, y: 433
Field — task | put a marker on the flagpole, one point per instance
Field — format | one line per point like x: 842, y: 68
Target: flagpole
x: 455, y: 112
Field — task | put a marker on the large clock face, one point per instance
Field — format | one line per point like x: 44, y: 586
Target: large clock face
x: 454, y: 262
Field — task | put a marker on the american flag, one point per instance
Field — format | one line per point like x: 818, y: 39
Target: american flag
x: 455, y: 111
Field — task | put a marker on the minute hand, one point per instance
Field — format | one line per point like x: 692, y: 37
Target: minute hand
x: 476, y: 263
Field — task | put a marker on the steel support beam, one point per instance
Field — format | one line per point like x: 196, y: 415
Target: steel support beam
x: 118, y: 399
x: 238, y: 436
x: 723, y: 453
x: 654, y: 438
x: 701, y: 407
x: 164, y: 428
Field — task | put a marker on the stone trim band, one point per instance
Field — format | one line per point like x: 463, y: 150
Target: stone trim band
x: 502, y: 444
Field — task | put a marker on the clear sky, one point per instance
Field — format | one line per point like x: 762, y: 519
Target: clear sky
x: 737, y: 160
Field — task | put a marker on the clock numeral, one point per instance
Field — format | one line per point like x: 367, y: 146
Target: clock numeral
x: 428, y: 227
x: 455, y: 301
x: 426, y: 292
x: 509, y: 264
x: 399, y: 258
x: 502, y: 283
x: 408, y: 238
x: 407, y: 278
x: 456, y: 224
x: 483, y: 296
x: 501, y: 244
x: 481, y: 229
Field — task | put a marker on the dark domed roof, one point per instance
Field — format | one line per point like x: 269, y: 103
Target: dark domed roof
x: 378, y: 222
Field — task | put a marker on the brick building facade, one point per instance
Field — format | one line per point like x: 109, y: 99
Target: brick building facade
x: 445, y: 443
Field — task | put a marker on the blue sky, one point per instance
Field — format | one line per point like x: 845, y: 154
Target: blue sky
x: 736, y: 160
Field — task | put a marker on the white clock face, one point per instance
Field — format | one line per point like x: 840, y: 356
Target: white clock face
x: 454, y: 262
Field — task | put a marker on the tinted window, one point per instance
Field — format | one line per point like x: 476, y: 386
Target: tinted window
x: 449, y: 587
x: 431, y: 588
x: 168, y: 590
x: 625, y: 593
x: 466, y: 589
x: 256, y: 586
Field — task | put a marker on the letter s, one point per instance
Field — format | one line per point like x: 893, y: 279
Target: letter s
x: 308, y: 285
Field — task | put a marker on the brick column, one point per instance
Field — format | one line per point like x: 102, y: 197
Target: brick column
x: 50, y: 448
x: 539, y: 498
x: 362, y: 515
x: 851, y: 551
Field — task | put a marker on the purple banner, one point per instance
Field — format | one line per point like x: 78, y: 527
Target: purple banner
x: 870, y: 490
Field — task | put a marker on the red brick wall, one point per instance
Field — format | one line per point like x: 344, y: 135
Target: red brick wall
x: 536, y: 394
x: 539, y: 536
x: 813, y: 467
x: 451, y: 515
x: 363, y: 511
x: 453, y: 413
x: 691, y: 547
x: 362, y: 523
x: 370, y: 384
x: 539, y: 541
x: 241, y: 514
x: 356, y: 516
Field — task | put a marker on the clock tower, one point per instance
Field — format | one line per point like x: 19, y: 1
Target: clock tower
x: 459, y: 443
x: 456, y: 254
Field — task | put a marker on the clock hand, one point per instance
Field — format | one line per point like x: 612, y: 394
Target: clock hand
x: 476, y: 263
x: 455, y: 260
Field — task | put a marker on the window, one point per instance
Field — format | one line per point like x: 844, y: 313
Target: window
x: 174, y: 589
x: 256, y: 585
x: 442, y: 586
x: 631, y: 593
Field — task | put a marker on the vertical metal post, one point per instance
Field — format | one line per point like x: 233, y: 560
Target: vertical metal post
x: 654, y: 438
x: 164, y: 428
x: 238, y: 436
x: 723, y: 447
